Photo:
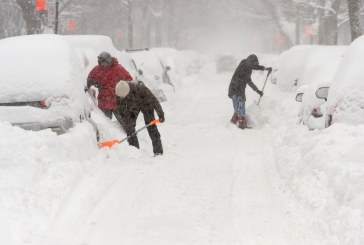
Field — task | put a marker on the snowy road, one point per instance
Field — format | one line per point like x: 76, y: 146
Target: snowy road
x: 278, y: 183
x: 216, y: 184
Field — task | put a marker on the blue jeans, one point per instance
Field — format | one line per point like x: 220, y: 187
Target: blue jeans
x: 239, y: 105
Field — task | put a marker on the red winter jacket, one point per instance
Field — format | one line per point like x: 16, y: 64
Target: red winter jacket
x: 106, y: 78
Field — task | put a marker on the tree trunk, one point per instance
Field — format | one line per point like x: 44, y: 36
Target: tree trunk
x: 34, y: 19
x: 298, y: 26
x: 158, y: 31
x: 171, y: 25
x: 130, y: 24
x: 355, y: 25
x: 146, y: 25
x: 272, y: 10
x: 328, y: 23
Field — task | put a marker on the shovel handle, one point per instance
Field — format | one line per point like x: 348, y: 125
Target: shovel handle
x: 265, y: 82
x: 110, y: 143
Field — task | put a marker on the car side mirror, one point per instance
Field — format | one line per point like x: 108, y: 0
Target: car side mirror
x: 322, y: 93
x: 140, y: 72
x: 299, y: 97
x: 168, y: 68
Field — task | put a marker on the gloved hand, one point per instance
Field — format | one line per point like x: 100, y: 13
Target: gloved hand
x: 260, y: 93
x: 269, y: 69
x: 161, y: 118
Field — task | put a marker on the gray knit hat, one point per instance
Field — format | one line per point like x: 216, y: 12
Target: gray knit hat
x: 105, y: 56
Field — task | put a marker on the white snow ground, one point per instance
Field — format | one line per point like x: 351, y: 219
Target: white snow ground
x: 215, y: 184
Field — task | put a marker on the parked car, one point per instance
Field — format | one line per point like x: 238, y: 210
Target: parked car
x: 226, y: 63
x: 172, y: 58
x: 312, y: 108
x: 151, y: 71
x: 42, y: 83
x: 88, y: 47
x: 345, y: 97
x: 296, y: 64
x: 288, y: 67
x: 321, y: 64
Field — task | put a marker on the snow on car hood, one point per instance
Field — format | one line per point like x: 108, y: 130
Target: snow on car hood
x: 36, y: 67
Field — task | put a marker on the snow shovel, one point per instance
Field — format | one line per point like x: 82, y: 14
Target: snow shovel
x: 110, y: 143
x: 265, y: 82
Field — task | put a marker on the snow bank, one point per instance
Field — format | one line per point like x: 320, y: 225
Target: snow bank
x: 346, y: 94
x: 38, y: 170
x: 324, y: 170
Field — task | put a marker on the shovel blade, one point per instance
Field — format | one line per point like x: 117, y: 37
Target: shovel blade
x: 108, y: 143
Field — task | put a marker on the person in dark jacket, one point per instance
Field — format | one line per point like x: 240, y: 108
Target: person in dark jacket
x: 133, y: 98
x: 241, y: 78
x: 105, y: 76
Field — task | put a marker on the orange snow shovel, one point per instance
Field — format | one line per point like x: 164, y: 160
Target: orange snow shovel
x: 110, y: 143
x: 265, y: 82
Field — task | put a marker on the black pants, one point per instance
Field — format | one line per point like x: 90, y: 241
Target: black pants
x: 128, y: 121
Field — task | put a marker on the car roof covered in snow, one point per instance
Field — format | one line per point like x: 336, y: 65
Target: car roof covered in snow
x: 90, y: 46
x: 38, y: 66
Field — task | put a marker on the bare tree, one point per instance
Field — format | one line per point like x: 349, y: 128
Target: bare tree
x: 328, y: 25
x: 34, y: 19
x: 327, y: 12
x: 277, y: 19
x: 129, y: 7
x: 354, y: 7
x: 11, y: 20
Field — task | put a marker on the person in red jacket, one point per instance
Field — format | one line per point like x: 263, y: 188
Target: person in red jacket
x: 105, y: 76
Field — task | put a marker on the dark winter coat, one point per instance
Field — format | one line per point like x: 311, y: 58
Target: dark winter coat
x: 242, y: 76
x: 140, y: 98
x: 106, y: 78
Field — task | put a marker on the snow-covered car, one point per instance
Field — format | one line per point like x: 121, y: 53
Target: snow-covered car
x: 151, y: 71
x: 88, y: 47
x: 194, y: 61
x: 289, y: 65
x: 275, y: 70
x: 321, y: 64
x: 312, y: 108
x: 296, y: 64
x: 226, y: 63
x: 171, y: 57
x: 345, y: 98
x: 41, y: 83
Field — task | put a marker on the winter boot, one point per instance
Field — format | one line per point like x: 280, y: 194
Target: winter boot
x: 242, y: 122
x: 234, y: 119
